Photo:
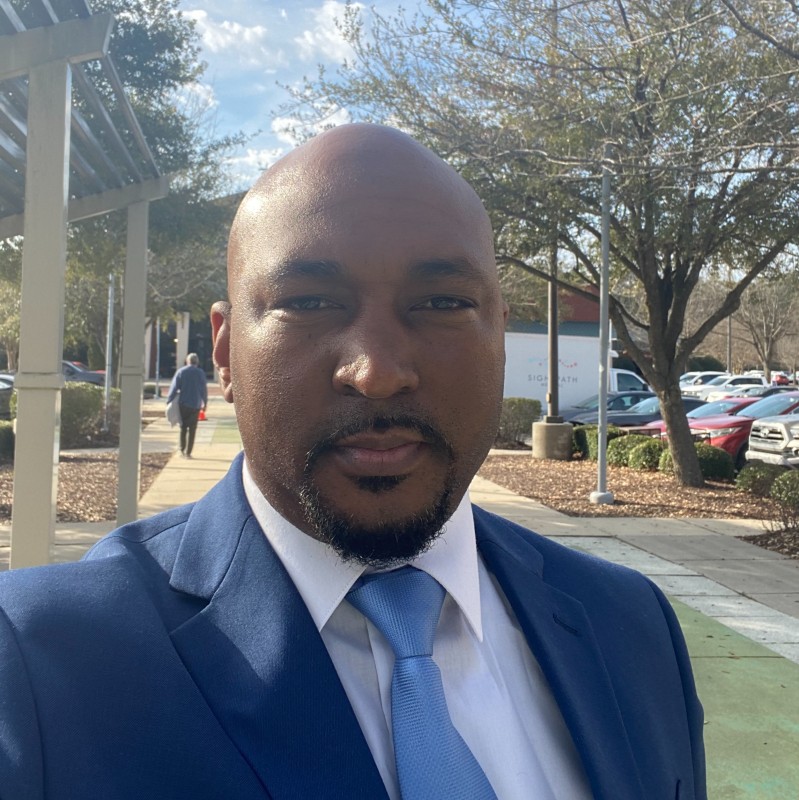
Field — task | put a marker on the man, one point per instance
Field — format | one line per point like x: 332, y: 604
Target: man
x: 231, y: 648
x: 191, y: 390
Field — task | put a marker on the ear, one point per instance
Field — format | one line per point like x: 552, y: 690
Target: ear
x: 220, y: 337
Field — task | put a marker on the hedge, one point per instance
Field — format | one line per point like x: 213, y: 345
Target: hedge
x: 786, y: 492
x: 757, y: 478
x: 619, y: 449
x: 646, y: 455
x: 714, y: 463
x: 6, y: 440
x: 517, y: 418
x: 585, y: 439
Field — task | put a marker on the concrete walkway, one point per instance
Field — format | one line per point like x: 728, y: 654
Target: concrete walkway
x: 738, y: 604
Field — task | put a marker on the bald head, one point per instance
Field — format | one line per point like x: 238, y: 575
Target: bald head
x: 358, y: 160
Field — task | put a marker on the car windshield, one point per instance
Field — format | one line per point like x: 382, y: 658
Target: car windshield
x: 709, y: 409
x: 769, y: 406
x: 718, y: 381
x: 590, y: 403
x: 645, y: 406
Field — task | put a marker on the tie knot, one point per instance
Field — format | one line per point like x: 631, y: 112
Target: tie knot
x: 404, y: 605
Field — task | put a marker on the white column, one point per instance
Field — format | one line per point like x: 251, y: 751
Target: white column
x: 148, y: 345
x: 182, y: 336
x: 131, y: 370
x: 39, y: 379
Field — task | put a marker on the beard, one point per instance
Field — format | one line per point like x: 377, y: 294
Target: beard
x: 390, y: 543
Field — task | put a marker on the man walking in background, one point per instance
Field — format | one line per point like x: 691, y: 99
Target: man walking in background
x: 189, y: 386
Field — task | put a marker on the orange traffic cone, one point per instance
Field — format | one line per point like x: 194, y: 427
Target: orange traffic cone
x: 202, y: 416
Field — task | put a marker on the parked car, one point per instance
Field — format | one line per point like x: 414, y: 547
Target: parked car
x: 636, y: 417
x: 617, y: 401
x: 73, y: 373
x: 731, y: 432
x: 699, y: 378
x: 775, y: 440
x: 729, y: 405
x: 752, y: 391
x: 6, y: 390
x: 81, y: 365
x: 723, y: 383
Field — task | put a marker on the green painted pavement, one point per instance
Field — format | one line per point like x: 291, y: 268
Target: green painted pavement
x: 226, y: 431
x: 751, y: 700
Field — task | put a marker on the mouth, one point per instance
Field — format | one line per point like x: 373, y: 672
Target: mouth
x: 392, y: 452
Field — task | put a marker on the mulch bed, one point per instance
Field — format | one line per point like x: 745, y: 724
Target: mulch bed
x: 566, y: 485
x: 87, y: 485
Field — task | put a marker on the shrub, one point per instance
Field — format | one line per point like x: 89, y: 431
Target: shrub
x: 758, y: 478
x: 646, y: 455
x: 619, y: 449
x: 517, y: 417
x: 586, y: 439
x: 715, y: 464
x: 81, y: 412
x: 6, y: 440
x: 786, y: 492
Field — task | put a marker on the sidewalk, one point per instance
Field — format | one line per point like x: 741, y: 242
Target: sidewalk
x: 738, y: 604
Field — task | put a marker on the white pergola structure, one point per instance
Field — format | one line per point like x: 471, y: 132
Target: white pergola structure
x: 70, y: 148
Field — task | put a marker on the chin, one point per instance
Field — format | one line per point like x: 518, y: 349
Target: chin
x: 395, y: 536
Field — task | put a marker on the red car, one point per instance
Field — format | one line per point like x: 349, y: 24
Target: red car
x: 730, y: 430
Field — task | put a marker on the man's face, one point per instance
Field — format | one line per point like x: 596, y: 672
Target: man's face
x: 366, y: 358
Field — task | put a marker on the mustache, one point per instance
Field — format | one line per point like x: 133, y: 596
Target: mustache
x: 379, y: 423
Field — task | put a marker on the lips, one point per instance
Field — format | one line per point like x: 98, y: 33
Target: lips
x: 395, y: 452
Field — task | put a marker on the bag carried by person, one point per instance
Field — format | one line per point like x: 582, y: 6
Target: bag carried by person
x: 173, y: 413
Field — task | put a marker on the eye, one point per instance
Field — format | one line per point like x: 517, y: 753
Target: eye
x: 308, y: 303
x: 445, y: 303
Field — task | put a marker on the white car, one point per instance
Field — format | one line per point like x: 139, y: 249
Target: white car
x: 696, y: 379
x: 719, y: 386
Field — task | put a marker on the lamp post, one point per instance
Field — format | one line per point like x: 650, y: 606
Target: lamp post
x: 602, y: 496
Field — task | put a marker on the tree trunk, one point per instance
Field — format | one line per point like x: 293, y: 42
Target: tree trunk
x: 11, y: 357
x: 686, y: 462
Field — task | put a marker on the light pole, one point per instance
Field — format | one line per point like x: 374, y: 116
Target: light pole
x: 602, y: 496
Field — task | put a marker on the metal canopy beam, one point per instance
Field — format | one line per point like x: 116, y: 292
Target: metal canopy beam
x: 72, y: 41
x: 96, y: 204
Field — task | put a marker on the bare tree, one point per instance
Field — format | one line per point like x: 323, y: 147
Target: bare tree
x: 701, y: 118
x: 768, y: 313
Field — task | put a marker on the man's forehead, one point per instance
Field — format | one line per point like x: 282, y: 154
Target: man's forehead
x: 362, y: 179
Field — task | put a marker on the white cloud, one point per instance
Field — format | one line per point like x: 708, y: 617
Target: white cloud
x: 323, y: 41
x: 245, y: 168
x: 247, y: 45
x: 196, y: 97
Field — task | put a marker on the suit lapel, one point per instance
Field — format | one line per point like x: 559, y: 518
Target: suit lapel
x: 256, y: 656
x: 562, y: 640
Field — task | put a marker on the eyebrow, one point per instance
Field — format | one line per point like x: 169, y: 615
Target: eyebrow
x: 320, y: 268
x: 444, y: 268
x: 426, y: 269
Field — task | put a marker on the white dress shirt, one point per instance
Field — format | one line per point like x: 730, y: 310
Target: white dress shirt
x: 497, y: 696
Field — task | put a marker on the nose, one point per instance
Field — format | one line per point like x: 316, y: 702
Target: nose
x: 376, y: 362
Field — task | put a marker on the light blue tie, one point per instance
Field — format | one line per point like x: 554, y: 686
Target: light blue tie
x: 433, y: 761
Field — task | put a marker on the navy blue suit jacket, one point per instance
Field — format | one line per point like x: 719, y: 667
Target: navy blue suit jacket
x: 177, y: 660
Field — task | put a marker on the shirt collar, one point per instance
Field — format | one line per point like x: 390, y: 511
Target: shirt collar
x: 323, y: 579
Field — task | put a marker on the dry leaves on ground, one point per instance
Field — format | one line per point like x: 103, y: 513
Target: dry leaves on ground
x: 566, y: 485
x: 87, y: 484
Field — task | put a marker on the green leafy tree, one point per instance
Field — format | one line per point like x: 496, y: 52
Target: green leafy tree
x: 696, y: 119
x: 10, y: 268
x: 156, y: 53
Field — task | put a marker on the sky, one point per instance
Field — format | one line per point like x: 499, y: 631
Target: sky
x: 251, y: 47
